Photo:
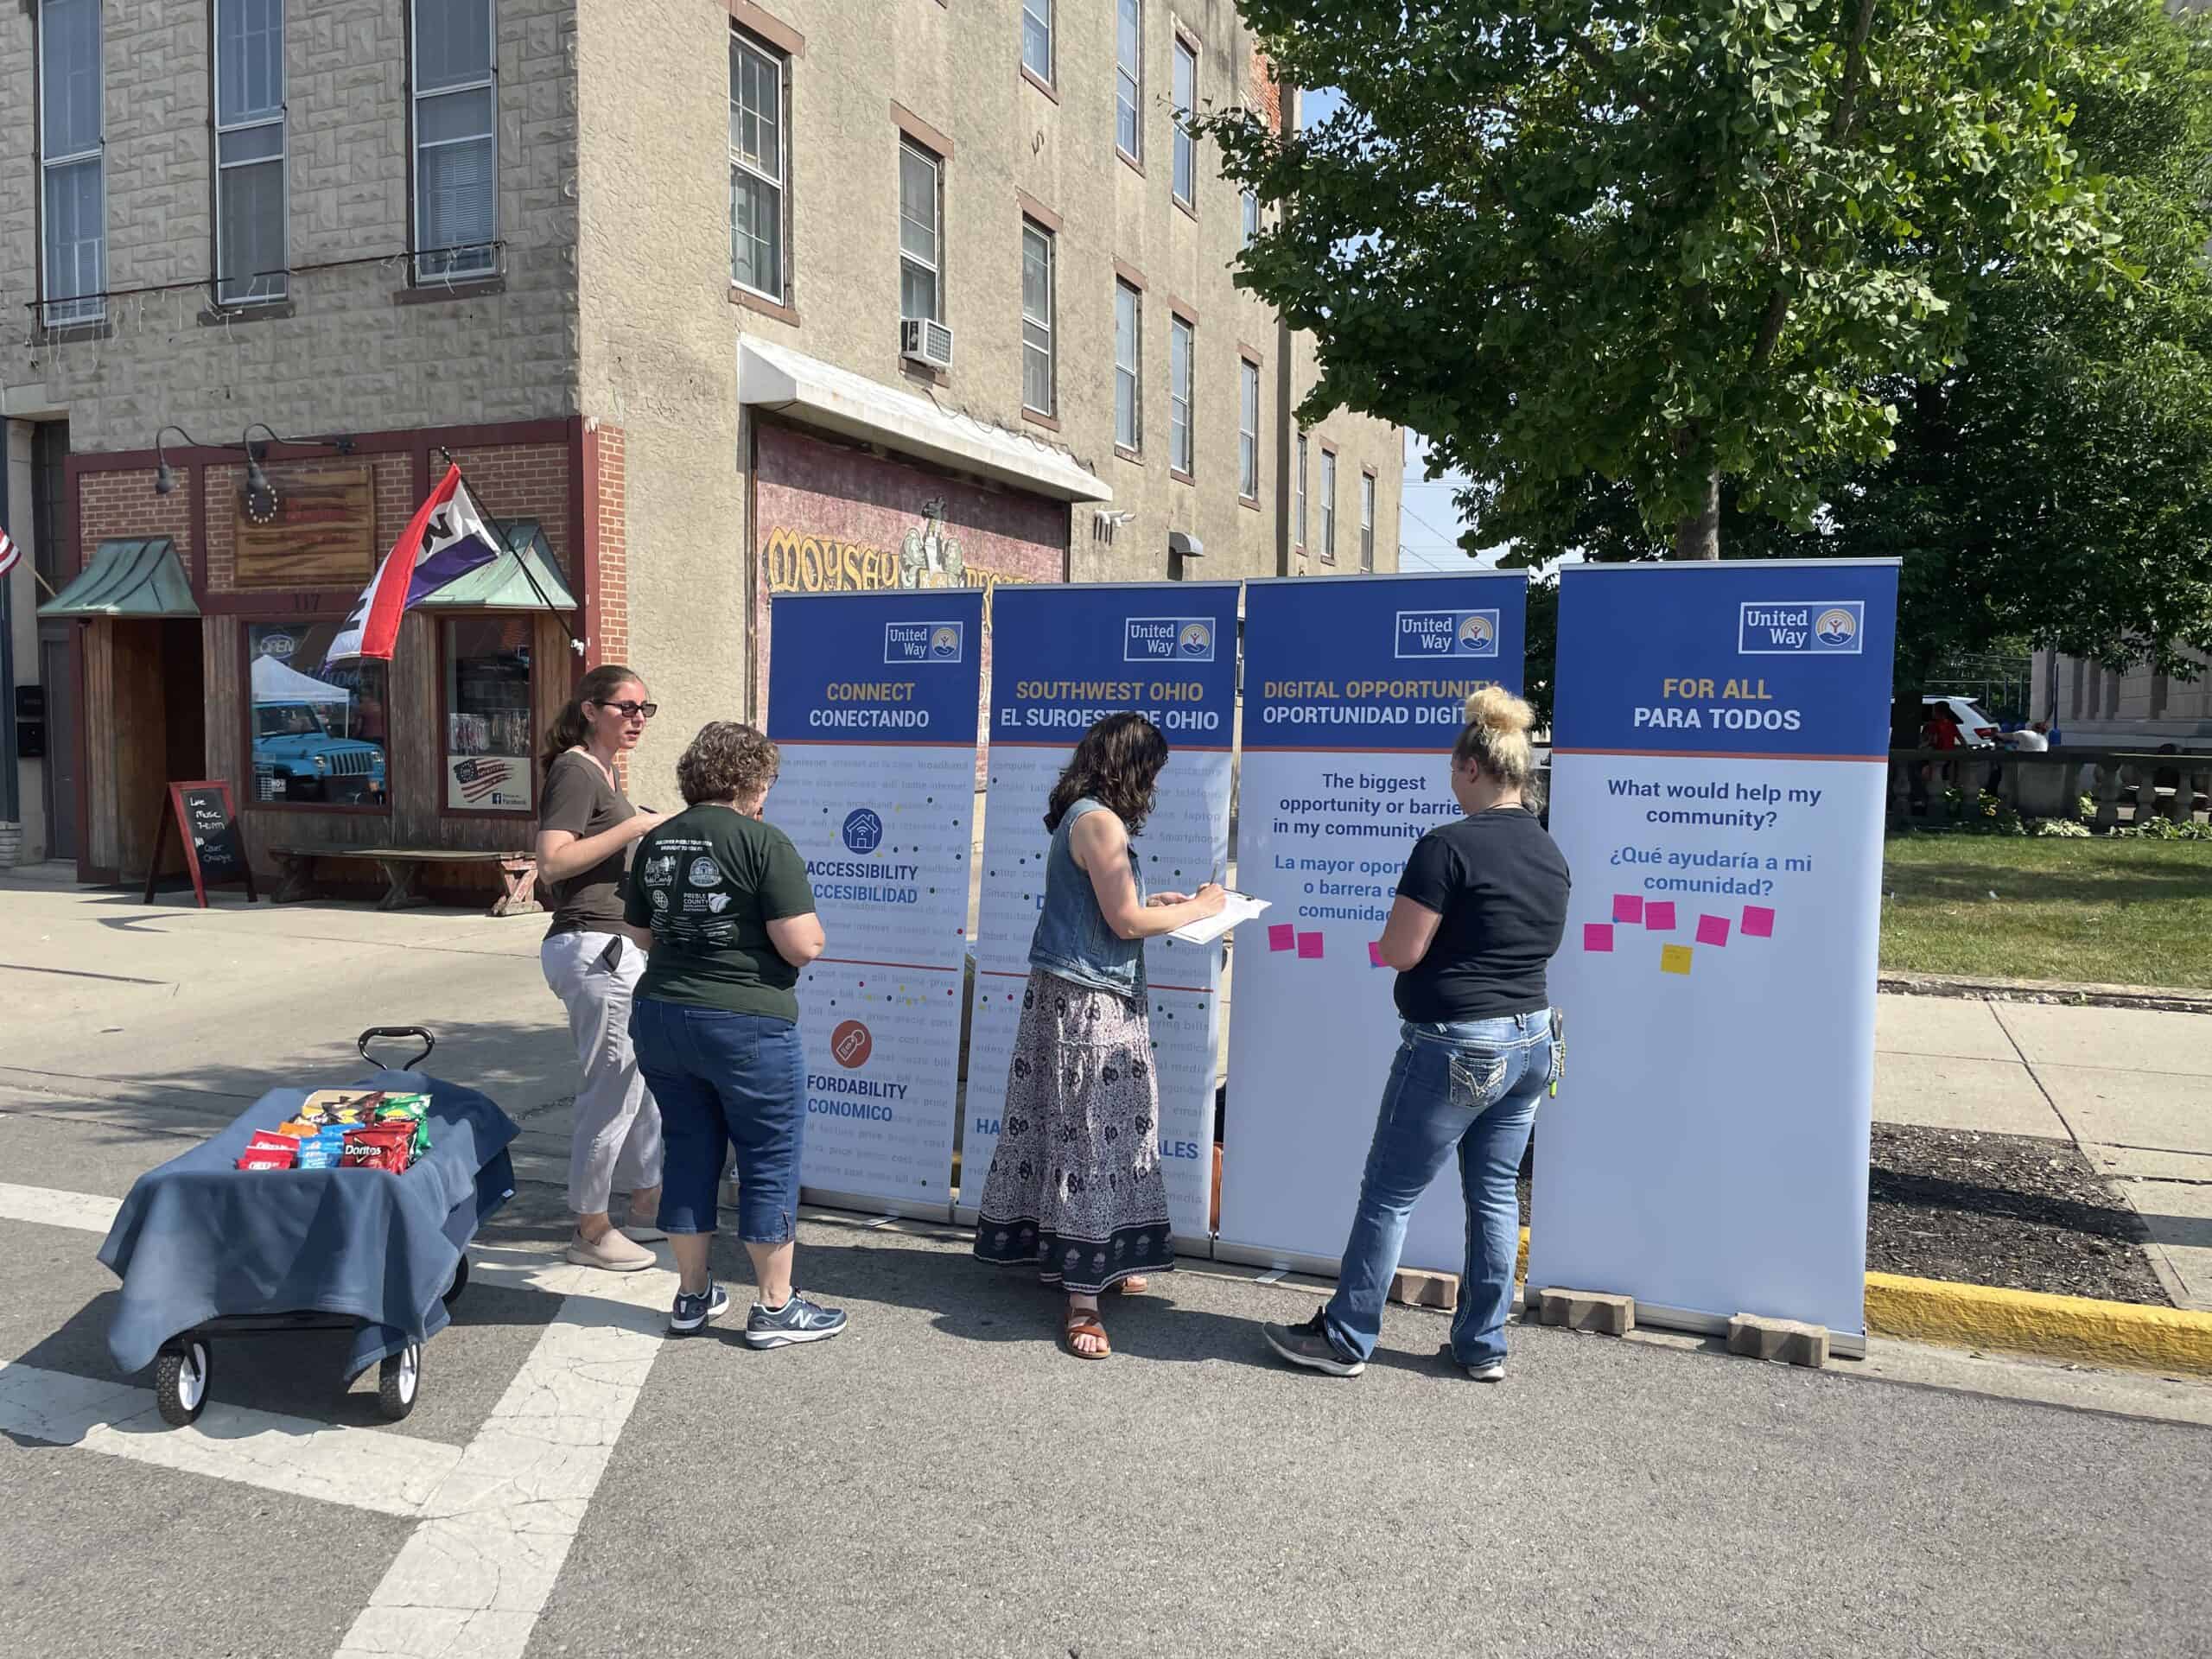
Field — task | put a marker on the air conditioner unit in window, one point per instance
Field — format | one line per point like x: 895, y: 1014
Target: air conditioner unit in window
x: 923, y: 341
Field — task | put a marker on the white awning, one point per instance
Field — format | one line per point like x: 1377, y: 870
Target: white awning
x: 821, y: 395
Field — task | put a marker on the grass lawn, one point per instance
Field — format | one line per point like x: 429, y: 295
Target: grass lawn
x: 2101, y: 911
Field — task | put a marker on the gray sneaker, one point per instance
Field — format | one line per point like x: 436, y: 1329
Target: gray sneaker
x: 691, y: 1313
x: 796, y: 1320
x: 1490, y: 1371
x: 1308, y: 1345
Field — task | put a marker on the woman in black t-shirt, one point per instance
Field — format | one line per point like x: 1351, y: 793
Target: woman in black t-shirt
x: 1480, y: 911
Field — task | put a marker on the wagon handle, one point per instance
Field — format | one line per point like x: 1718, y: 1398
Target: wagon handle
x: 374, y: 1033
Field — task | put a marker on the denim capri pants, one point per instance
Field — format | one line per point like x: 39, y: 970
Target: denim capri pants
x: 723, y: 1080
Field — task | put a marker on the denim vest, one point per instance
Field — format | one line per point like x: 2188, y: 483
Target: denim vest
x: 1073, y: 939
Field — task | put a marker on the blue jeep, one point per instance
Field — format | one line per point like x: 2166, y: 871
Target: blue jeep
x: 297, y: 757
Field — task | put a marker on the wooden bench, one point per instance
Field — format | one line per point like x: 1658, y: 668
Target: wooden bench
x: 403, y: 869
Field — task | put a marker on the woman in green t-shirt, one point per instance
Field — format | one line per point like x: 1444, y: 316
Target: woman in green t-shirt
x: 723, y: 903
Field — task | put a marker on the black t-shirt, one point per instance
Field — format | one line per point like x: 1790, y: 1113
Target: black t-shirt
x: 1500, y: 884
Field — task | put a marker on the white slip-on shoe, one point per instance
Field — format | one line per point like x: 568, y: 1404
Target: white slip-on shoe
x: 610, y: 1251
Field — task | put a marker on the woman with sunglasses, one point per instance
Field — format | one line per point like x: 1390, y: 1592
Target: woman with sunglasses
x: 586, y: 828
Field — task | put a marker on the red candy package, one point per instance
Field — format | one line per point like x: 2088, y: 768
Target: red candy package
x: 379, y: 1147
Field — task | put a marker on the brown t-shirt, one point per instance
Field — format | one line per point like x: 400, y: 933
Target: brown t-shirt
x: 578, y: 799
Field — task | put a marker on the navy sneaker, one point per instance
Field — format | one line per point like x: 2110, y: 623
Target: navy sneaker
x: 691, y: 1313
x: 796, y: 1320
x: 1308, y: 1345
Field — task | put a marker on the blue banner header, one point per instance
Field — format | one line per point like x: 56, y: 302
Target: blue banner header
x: 1062, y: 657
x: 1739, y: 657
x: 1380, y: 663
x: 875, y: 668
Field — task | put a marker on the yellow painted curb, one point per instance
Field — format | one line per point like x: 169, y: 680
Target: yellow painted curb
x: 2121, y: 1334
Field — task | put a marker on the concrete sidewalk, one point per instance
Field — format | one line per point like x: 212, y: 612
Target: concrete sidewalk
x: 2132, y: 1089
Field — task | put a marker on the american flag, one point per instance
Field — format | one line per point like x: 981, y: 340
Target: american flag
x: 8, y: 553
x: 479, y: 778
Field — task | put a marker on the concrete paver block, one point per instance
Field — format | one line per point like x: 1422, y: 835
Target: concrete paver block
x: 1956, y: 1027
x: 1791, y: 1341
x: 2160, y: 1111
x: 1945, y: 1092
x: 1417, y: 1289
x: 2128, y: 1040
x: 1588, y: 1310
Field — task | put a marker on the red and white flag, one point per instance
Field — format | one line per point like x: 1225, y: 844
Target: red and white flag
x: 8, y: 553
x: 444, y: 540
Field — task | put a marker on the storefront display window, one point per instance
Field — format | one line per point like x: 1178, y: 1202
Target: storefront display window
x: 317, y: 733
x: 487, y: 713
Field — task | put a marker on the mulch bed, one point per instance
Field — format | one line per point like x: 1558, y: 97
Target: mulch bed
x: 2013, y: 1211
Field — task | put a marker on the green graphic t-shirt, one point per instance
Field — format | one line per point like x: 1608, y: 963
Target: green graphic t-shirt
x: 708, y: 882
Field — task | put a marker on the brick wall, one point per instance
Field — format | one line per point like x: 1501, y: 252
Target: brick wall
x: 605, y: 499
x: 522, y: 481
x: 109, y: 504
x: 1266, y: 94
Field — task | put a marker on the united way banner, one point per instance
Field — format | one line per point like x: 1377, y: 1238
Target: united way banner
x: 873, y: 699
x: 1063, y: 658
x: 1721, y: 735
x: 1354, y: 693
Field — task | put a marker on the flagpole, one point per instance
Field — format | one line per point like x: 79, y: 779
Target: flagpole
x: 522, y: 564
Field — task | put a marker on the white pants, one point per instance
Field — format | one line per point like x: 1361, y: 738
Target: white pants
x: 617, y: 1143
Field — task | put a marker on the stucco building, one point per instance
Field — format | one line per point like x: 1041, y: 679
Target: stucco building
x: 707, y: 299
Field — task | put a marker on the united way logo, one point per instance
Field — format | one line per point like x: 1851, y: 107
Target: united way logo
x: 863, y: 832
x: 850, y: 1045
x: 1769, y: 628
x: 1168, y: 639
x: 1447, y: 633
x: 924, y: 642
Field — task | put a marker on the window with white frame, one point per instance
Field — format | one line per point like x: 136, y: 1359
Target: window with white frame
x: 1301, y: 489
x: 73, y: 174
x: 1128, y: 370
x: 250, y: 248
x: 456, y: 142
x: 1248, y: 429
x: 1037, y: 39
x: 1036, y: 318
x: 1186, y: 143
x: 1251, y: 231
x: 921, y: 200
x: 1128, y: 80
x: 1179, y: 341
x: 1367, y: 521
x: 757, y: 169
x: 1328, y: 507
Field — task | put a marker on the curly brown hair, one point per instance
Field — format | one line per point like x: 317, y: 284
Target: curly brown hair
x: 1118, y: 764
x: 729, y: 761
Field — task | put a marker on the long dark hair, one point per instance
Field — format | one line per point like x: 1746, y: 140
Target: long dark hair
x: 1117, y: 764
x: 569, y: 727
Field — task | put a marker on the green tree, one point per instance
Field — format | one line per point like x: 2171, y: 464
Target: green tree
x: 1651, y: 248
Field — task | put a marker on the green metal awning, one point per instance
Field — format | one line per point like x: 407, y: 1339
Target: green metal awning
x: 128, y: 578
x: 524, y: 578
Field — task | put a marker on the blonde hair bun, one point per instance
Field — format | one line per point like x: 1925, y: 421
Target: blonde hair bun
x: 1496, y: 709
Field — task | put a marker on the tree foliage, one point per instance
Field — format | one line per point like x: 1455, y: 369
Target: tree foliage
x: 1632, y: 251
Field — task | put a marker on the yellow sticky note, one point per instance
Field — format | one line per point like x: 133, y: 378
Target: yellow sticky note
x: 1674, y: 958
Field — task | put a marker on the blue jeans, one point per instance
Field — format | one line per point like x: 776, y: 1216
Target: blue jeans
x: 1473, y: 1086
x: 724, y: 1079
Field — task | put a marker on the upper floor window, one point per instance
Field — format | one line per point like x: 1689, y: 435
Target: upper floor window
x: 1367, y: 521
x: 251, y: 259
x: 757, y: 170
x: 1128, y: 366
x: 1128, y: 80
x: 456, y: 142
x: 1248, y: 429
x: 1186, y: 144
x: 1180, y: 342
x: 1250, y: 231
x: 1328, y: 507
x: 921, y: 204
x: 73, y: 220
x: 1301, y: 489
x: 1036, y: 318
x: 1037, y: 39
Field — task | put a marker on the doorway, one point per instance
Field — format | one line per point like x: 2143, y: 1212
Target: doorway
x: 59, y: 768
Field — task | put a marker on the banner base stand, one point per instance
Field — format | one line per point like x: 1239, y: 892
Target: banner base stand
x: 862, y: 1203
x: 1843, y: 1344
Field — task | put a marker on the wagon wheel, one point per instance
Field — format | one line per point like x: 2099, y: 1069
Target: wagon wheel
x: 459, y: 1280
x: 180, y: 1373
x: 399, y: 1379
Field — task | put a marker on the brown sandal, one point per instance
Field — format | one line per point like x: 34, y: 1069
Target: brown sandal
x: 1135, y: 1285
x: 1083, y: 1322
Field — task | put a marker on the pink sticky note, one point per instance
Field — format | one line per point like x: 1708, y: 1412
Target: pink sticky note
x: 1309, y: 944
x: 1597, y: 936
x: 1282, y: 937
x: 1659, y: 916
x: 1375, y: 954
x: 1712, y: 929
x: 1759, y: 922
x: 1628, y: 907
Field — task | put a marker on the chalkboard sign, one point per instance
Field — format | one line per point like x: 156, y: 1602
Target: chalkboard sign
x: 206, y: 826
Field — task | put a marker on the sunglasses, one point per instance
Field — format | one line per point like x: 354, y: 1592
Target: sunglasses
x: 632, y: 710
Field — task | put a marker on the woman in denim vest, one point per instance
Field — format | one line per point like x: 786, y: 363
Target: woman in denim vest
x: 1479, y: 913
x: 1075, y: 1186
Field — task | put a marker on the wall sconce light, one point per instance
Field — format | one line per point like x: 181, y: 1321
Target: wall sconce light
x: 261, y: 496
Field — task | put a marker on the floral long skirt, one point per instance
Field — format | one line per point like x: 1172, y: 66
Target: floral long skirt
x: 1075, y: 1183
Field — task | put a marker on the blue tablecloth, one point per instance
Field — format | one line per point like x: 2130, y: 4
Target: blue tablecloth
x: 200, y: 1239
